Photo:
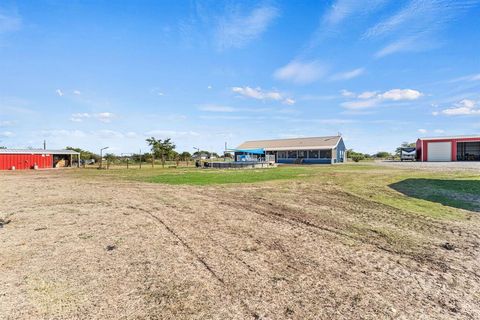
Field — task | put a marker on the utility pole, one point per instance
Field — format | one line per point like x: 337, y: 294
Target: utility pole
x: 44, y: 144
x: 140, y: 158
x: 101, y: 156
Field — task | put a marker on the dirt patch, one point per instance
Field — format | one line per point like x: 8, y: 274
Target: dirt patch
x: 278, y: 250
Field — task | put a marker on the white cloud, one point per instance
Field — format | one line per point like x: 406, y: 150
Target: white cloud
x: 171, y: 133
x: 439, y: 131
x: 462, y: 108
x: 367, y: 94
x: 209, y: 87
x: 322, y: 121
x: 401, y: 94
x: 59, y: 92
x: 340, y: 10
x: 301, y: 72
x: 422, y: 131
x: 107, y: 134
x: 369, y: 99
x: 236, y: 30
x: 406, y: 44
x: 416, y: 25
x: 348, y: 74
x: 131, y: 134
x: 216, y: 108
x: 471, y: 77
x: 225, y: 117
x: 105, y: 116
x: 9, y: 23
x: 176, y: 117
x: 77, y: 92
x: 102, y: 116
x: 259, y: 94
x: 78, y: 117
x: 362, y: 104
x: 6, y: 123
x: 63, y: 133
x: 6, y: 134
x: 157, y: 91
x: 347, y: 93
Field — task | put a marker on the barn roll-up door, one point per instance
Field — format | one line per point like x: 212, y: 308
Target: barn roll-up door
x: 439, y: 151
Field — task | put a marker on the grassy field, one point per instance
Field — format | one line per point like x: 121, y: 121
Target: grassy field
x: 431, y: 193
x: 357, y: 241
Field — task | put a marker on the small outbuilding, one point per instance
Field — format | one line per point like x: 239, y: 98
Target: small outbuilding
x: 314, y: 150
x: 21, y: 159
x: 457, y: 148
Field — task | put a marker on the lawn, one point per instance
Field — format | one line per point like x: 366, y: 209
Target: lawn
x: 436, y: 194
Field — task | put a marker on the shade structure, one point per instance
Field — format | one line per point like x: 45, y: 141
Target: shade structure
x: 250, y: 151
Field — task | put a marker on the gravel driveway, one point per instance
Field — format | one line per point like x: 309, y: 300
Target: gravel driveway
x: 436, y: 166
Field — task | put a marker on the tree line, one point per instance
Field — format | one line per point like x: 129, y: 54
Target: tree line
x: 358, y: 156
x: 162, y: 150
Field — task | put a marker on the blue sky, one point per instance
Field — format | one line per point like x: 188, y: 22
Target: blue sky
x: 111, y: 73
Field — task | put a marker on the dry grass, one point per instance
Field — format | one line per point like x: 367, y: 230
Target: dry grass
x: 294, y: 249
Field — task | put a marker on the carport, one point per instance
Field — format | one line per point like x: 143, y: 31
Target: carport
x: 468, y: 151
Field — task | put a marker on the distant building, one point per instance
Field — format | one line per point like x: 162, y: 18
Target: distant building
x: 458, y: 148
x: 314, y: 150
x: 21, y: 159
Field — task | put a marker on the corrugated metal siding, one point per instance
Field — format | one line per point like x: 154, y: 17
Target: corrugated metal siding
x: 423, y: 144
x: 25, y: 161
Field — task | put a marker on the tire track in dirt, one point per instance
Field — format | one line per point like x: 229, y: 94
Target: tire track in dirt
x: 395, y: 216
x: 269, y: 210
x: 202, y: 261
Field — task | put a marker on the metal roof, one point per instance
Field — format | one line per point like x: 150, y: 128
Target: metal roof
x: 450, y: 137
x: 36, y: 151
x: 293, y: 144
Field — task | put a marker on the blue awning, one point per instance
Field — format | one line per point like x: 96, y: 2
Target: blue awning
x: 251, y: 151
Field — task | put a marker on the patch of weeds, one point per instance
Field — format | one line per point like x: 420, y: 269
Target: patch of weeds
x: 84, y: 236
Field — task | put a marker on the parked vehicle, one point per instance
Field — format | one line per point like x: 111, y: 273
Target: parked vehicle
x: 408, y: 154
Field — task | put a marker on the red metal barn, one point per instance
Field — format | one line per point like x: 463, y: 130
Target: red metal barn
x: 16, y: 159
x: 460, y: 148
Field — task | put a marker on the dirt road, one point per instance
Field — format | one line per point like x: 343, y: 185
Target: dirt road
x: 79, y: 249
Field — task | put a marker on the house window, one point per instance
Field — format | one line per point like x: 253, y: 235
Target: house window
x: 281, y: 155
x: 313, y: 154
x: 302, y: 154
x: 292, y: 154
x: 326, y: 154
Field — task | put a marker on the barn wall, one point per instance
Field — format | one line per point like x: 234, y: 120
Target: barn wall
x: 25, y: 161
x: 424, y: 146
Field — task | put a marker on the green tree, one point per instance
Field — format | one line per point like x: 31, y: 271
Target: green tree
x: 161, y: 149
x: 2, y: 147
x: 355, y: 156
x: 85, y: 154
x: 383, y: 155
x: 185, y: 156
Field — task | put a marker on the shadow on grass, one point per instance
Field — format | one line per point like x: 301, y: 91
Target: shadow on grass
x: 463, y: 194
